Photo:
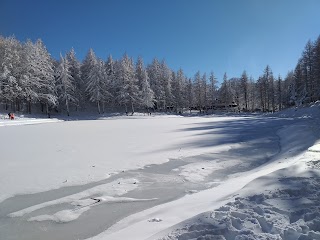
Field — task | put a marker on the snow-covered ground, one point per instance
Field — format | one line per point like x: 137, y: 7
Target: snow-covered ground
x: 163, y: 177
x: 22, y: 120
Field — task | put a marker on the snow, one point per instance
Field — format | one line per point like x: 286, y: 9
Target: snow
x: 271, y: 190
x: 174, y: 225
x: 78, y: 152
x: 24, y: 121
x: 284, y: 207
x: 197, y: 172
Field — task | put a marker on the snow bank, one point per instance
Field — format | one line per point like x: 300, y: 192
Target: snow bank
x: 281, y: 205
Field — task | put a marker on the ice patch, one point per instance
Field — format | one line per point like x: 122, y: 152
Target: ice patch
x: 83, y: 206
x: 109, y: 189
x: 61, y: 216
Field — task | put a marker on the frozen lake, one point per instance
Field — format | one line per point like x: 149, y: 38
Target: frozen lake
x: 75, y: 179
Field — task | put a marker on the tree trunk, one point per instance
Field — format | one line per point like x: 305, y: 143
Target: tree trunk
x: 47, y: 109
x: 18, y: 105
x: 132, y: 108
x: 29, y: 107
x: 98, y: 102
x: 67, y: 105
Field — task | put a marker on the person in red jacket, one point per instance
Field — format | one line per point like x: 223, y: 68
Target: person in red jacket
x: 11, y: 116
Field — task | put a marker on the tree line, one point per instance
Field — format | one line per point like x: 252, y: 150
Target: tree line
x: 30, y: 78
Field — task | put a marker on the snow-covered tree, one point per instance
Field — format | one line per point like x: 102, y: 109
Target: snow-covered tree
x: 45, y: 74
x: 129, y: 90
x: 75, y: 73
x: 179, y: 89
x: 87, y: 65
x: 252, y: 94
x: 189, y: 94
x: 166, y: 82
x: 31, y: 80
x: 244, y: 88
x: 212, y: 91
x: 97, y: 87
x: 279, y: 93
x: 146, y: 93
x: 11, y: 72
x: 316, y: 68
x: 198, y: 91
x: 65, y: 84
x: 154, y: 73
x: 112, y: 81
x: 204, y: 88
x: 37, y: 80
x: 225, y: 91
x: 140, y: 71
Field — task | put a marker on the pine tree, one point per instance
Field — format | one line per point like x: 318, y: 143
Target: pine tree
x: 289, y: 89
x: 147, y: 95
x: 244, y: 89
x: 204, y: 91
x: 299, y: 93
x: 42, y: 70
x: 129, y: 89
x: 316, y: 67
x: 140, y: 75
x: 97, y: 88
x: 225, y: 92
x: 252, y: 94
x: 179, y: 90
x: 279, y: 93
x: 88, y: 64
x: 307, y: 60
x: 212, y: 90
x: 166, y: 82
x: 154, y: 73
x: 111, y: 77
x: 65, y: 84
x: 11, y: 72
x: 235, y: 92
x: 31, y: 80
x: 198, y: 91
x: 75, y: 73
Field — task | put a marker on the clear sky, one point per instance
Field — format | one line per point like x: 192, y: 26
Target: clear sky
x: 207, y: 35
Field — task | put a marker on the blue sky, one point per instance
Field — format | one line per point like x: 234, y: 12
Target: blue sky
x: 207, y: 35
